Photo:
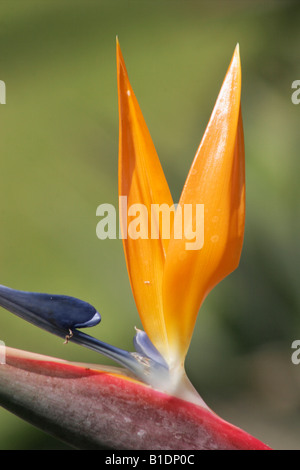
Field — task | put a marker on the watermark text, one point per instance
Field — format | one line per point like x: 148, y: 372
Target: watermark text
x: 296, y: 94
x: 296, y: 354
x: 163, y: 222
x: 2, y: 92
x: 2, y: 353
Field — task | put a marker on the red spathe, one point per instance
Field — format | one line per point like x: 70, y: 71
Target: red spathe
x: 90, y: 409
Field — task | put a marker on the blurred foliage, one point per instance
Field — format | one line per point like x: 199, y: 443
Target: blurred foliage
x: 59, y: 146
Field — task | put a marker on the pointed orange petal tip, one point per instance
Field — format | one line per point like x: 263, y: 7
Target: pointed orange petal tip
x: 142, y: 185
x: 216, y: 182
x: 237, y: 51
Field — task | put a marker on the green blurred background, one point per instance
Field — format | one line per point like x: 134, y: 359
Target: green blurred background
x: 59, y: 146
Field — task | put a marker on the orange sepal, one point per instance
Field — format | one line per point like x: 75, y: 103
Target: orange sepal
x: 216, y: 180
x: 142, y: 182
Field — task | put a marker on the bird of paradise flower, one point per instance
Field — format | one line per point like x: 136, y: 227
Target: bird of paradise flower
x: 149, y: 403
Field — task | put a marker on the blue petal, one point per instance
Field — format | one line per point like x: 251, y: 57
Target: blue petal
x: 51, y: 312
x: 144, y: 346
x: 61, y: 315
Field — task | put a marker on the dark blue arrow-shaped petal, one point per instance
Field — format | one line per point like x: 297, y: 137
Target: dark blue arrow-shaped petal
x: 54, y: 313
x: 62, y: 315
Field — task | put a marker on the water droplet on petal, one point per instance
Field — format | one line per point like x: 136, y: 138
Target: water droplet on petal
x: 214, y: 238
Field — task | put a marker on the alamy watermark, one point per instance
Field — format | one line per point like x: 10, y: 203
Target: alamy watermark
x: 2, y: 352
x: 136, y: 222
x: 295, y: 357
x: 296, y: 94
x: 2, y: 92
